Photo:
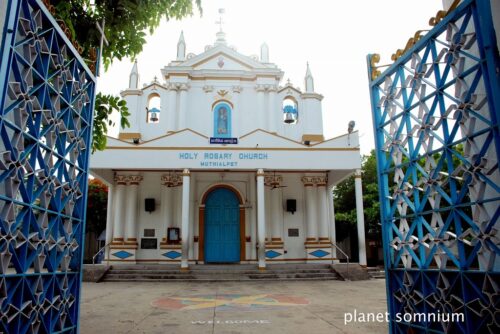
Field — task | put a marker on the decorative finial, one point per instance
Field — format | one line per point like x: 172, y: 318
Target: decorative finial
x: 221, y: 35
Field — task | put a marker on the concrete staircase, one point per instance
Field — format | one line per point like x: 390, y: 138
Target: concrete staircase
x: 215, y: 273
x: 376, y: 272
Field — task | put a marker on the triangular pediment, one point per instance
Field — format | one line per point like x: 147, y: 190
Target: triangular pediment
x: 223, y: 57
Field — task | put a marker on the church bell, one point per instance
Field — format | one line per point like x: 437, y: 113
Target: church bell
x: 289, y: 118
x: 154, y: 117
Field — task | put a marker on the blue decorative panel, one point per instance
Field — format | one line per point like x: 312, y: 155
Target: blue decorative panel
x: 46, y: 108
x: 122, y: 254
x: 435, y: 113
x: 319, y: 253
x: 272, y: 254
x: 172, y: 255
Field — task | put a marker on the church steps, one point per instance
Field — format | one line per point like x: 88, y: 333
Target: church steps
x: 210, y: 273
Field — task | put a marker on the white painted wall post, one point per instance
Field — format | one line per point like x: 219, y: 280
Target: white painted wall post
x: 333, y: 234
x: 253, y: 218
x: 261, y: 219
x: 183, y: 108
x: 172, y: 108
x: 311, y: 221
x: 260, y: 106
x: 323, y: 213
x: 119, y: 220
x: 360, y: 218
x: 272, y: 112
x: 186, y: 176
x: 131, y: 209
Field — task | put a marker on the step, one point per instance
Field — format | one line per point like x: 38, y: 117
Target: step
x: 219, y: 280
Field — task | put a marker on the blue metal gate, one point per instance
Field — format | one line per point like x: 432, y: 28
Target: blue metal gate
x: 46, y: 107
x: 222, y: 227
x: 435, y: 113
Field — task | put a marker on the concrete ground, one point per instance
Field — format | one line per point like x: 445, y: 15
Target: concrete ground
x: 302, y: 307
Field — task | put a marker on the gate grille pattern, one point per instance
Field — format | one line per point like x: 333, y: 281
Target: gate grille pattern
x: 435, y: 113
x: 46, y: 101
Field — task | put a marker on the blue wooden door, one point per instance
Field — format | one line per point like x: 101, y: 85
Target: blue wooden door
x: 222, y: 227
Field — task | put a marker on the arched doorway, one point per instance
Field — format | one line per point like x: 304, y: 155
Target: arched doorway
x: 222, y: 227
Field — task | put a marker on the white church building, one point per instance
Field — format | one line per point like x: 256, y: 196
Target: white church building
x: 224, y: 163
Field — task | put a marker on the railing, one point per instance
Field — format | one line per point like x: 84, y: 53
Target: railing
x: 103, y: 248
x: 346, y: 256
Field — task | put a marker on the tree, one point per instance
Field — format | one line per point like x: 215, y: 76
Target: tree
x: 345, y: 201
x: 126, y: 23
x: 96, y: 206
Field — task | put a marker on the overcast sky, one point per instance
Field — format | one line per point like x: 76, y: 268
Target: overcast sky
x: 334, y: 36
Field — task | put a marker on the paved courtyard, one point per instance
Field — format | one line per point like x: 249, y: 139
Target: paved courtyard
x: 305, y: 307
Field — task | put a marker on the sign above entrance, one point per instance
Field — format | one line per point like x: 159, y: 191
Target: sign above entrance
x: 214, y: 140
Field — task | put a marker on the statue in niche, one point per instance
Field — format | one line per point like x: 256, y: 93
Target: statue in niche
x: 222, y: 121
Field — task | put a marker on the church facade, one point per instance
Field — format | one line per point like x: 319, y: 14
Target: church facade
x: 224, y: 164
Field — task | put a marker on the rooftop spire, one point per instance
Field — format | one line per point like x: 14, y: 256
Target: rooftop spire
x: 264, y: 53
x: 181, y: 47
x: 221, y: 35
x: 309, y: 81
x: 134, y: 77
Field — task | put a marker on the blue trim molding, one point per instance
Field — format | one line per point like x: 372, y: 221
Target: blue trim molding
x: 172, y: 255
x: 319, y: 253
x: 122, y: 254
x: 271, y: 254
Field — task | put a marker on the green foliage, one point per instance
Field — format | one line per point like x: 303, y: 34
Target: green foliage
x: 105, y: 105
x: 345, y: 201
x: 96, y: 206
x: 126, y: 25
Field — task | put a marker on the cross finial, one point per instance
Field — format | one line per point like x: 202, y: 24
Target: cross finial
x: 220, y: 22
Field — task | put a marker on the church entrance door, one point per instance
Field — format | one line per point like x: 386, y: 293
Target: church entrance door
x: 222, y: 227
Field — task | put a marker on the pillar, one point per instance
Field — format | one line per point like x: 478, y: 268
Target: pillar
x: 183, y: 101
x: 172, y: 108
x: 333, y: 232
x: 311, y: 221
x: 186, y: 177
x: 131, y: 209
x: 253, y: 218
x: 323, y: 235
x: 272, y: 112
x: 261, y: 219
x: 109, y: 220
x: 360, y: 218
x: 118, y: 226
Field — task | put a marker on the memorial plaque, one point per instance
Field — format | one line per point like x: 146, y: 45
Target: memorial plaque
x: 293, y: 232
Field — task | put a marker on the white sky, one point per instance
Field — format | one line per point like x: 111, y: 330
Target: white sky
x: 334, y: 36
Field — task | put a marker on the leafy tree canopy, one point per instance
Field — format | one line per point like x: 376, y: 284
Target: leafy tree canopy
x: 126, y: 24
x: 96, y: 206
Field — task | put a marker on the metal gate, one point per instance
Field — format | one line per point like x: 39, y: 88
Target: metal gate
x: 435, y: 114
x: 46, y: 107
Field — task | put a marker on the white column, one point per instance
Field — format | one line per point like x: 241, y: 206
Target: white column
x: 109, y: 220
x: 331, y: 207
x: 272, y: 112
x: 276, y: 214
x: 261, y: 219
x: 323, y: 212
x: 311, y: 220
x: 172, y: 108
x: 268, y: 206
x: 166, y: 209
x: 131, y: 209
x: 185, y: 217
x: 360, y: 218
x: 183, y: 101
x: 261, y: 112
x: 235, y: 114
x: 119, y: 220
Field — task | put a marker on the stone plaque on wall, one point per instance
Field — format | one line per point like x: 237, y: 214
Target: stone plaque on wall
x: 149, y: 243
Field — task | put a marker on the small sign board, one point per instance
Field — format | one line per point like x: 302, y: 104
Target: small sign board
x: 214, y: 140
x: 293, y: 232
x: 149, y: 243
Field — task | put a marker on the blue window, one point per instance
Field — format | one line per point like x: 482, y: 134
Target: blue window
x: 222, y: 120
